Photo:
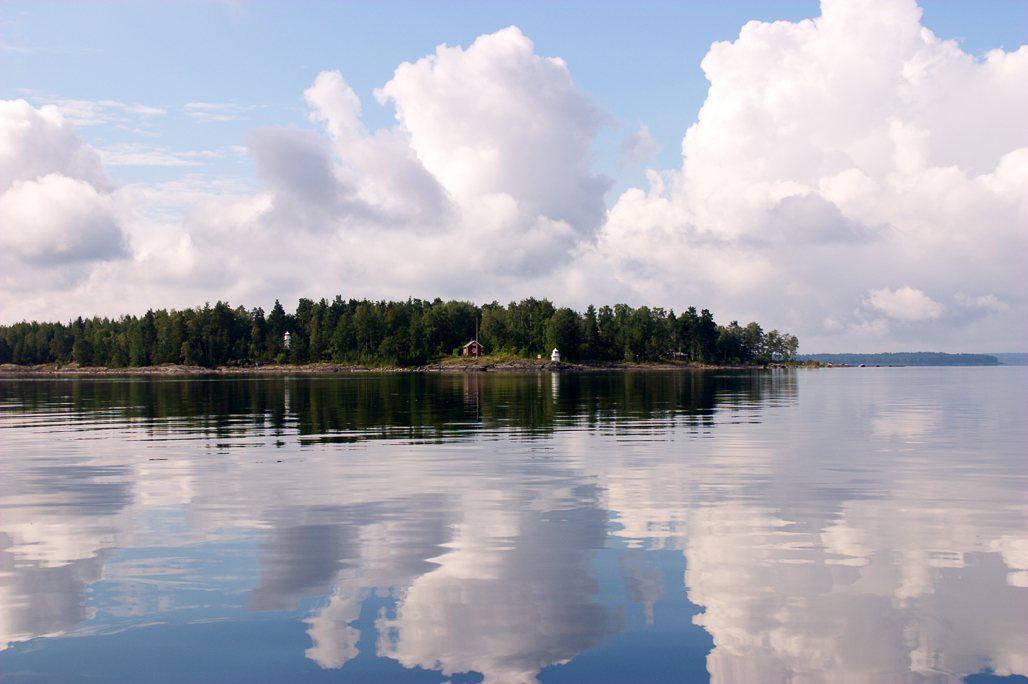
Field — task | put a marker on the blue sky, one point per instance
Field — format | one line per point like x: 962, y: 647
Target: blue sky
x: 168, y: 93
x: 639, y: 61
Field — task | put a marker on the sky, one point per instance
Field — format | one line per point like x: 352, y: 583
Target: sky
x: 853, y: 173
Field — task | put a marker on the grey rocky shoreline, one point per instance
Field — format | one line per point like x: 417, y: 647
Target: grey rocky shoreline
x: 524, y: 366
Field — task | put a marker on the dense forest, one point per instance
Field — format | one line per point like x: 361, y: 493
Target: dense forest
x: 410, y: 333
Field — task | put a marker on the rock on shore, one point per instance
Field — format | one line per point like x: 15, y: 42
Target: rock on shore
x: 461, y: 366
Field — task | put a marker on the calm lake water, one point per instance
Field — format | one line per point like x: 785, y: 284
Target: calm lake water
x: 842, y: 525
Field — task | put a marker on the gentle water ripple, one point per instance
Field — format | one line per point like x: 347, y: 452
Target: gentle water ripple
x: 834, y: 525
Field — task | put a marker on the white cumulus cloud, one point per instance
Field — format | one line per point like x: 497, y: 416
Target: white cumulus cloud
x: 499, y: 119
x: 57, y: 219
x: 37, y: 142
x: 58, y: 213
x: 905, y: 304
x: 831, y: 155
x: 483, y: 185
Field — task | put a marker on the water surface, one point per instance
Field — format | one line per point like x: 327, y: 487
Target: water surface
x: 847, y: 525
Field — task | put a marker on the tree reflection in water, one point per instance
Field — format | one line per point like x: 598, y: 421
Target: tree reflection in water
x: 830, y: 527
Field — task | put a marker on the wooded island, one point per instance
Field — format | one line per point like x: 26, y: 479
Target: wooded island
x: 404, y: 334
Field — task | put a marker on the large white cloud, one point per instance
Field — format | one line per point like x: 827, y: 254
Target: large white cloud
x: 57, y: 219
x: 483, y: 187
x: 38, y: 142
x: 905, y: 304
x: 497, y: 119
x: 837, y: 160
x: 57, y: 211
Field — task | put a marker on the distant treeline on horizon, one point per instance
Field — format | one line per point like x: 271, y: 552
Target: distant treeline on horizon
x: 904, y: 359
x: 410, y: 333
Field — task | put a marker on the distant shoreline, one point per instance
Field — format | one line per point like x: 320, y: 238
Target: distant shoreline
x: 917, y: 359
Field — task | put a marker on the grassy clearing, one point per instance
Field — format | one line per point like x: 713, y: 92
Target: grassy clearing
x: 487, y: 359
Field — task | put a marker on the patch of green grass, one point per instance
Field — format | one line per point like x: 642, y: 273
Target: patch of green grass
x: 487, y: 359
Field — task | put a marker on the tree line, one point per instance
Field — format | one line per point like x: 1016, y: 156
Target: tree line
x: 410, y: 333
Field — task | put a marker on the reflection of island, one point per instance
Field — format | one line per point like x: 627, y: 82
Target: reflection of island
x: 822, y: 549
x: 416, y: 406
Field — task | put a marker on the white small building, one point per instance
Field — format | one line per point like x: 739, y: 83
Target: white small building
x: 287, y: 340
x: 555, y: 355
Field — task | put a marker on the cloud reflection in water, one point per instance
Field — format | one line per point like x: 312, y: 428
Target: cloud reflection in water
x: 834, y: 527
